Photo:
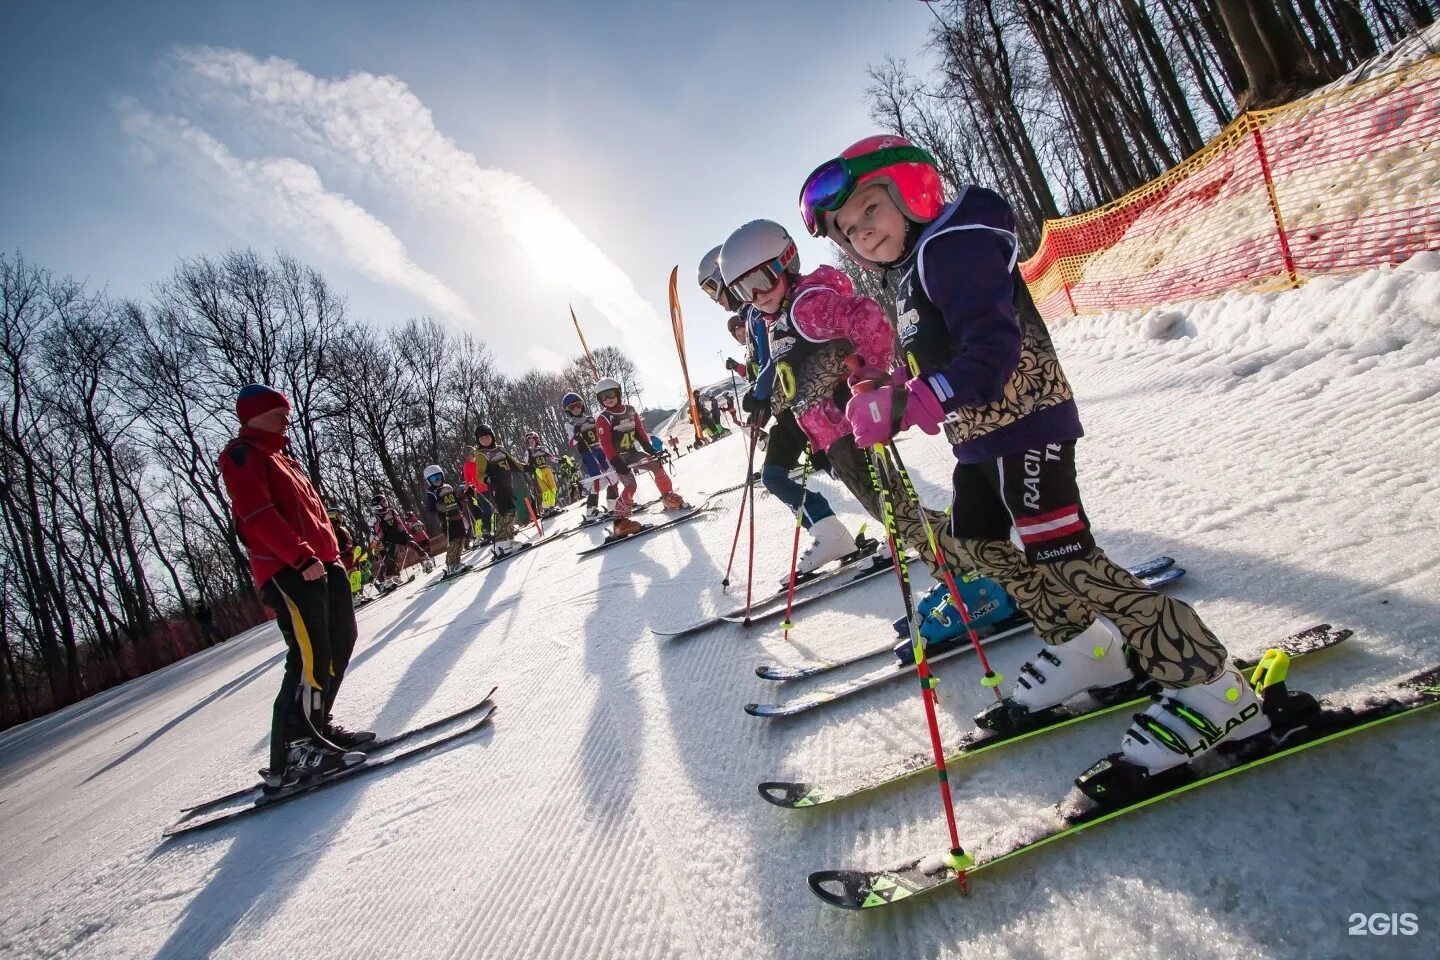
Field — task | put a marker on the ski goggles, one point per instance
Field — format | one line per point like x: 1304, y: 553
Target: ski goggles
x: 716, y: 290
x: 762, y: 278
x: 607, y: 395
x: 434, y: 479
x: 834, y: 181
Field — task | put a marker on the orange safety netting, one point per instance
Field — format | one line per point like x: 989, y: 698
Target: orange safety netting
x: 1338, y: 182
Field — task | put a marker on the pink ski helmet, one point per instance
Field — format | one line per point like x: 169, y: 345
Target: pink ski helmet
x: 909, y: 173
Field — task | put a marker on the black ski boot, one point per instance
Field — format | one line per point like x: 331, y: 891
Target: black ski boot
x: 307, y: 760
x: 346, y: 739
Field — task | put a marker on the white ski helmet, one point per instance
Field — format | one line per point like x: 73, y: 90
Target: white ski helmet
x: 712, y: 283
x: 605, y: 386
x: 755, y: 256
x: 433, y: 474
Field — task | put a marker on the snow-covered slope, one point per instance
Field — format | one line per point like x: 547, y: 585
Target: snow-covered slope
x: 1282, y: 446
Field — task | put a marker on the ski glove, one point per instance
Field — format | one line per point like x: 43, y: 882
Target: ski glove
x: 886, y: 404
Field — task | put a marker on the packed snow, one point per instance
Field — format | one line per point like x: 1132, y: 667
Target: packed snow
x: 1282, y: 446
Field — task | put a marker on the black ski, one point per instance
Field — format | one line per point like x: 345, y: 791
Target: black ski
x: 1148, y: 571
x: 445, y: 578
x: 795, y: 795
x: 896, y: 670
x: 773, y: 605
x: 521, y: 546
x: 867, y: 889
x: 373, y: 747
x: 256, y: 800
x: 645, y: 530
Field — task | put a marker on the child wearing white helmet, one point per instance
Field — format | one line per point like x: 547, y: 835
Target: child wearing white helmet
x: 627, y: 447
x: 594, y: 468
x: 442, y: 501
x: 538, y: 464
x: 815, y: 322
x: 784, y: 443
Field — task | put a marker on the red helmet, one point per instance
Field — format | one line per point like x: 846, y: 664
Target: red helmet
x: 914, y: 185
x: 908, y: 172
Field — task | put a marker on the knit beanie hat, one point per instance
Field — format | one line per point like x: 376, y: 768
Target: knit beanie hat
x: 255, y: 399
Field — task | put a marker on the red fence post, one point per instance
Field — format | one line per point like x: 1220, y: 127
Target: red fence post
x: 1274, y: 204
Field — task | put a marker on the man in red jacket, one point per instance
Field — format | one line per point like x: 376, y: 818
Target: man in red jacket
x: 295, y: 560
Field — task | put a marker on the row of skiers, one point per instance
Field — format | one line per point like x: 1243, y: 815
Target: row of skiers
x: 499, y: 493
x: 611, y: 445
x: 464, y: 513
x: 976, y: 363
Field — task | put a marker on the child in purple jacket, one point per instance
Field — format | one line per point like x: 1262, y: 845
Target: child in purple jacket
x: 978, y: 363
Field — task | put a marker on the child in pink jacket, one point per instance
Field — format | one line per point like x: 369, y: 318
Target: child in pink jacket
x: 815, y: 321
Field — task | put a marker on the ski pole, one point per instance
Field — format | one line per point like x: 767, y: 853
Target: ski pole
x: 990, y: 678
x: 750, y: 564
x: 795, y: 548
x: 957, y: 859
x: 749, y: 473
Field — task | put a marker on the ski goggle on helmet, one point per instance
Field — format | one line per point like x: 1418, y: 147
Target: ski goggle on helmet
x: 713, y: 283
x: 908, y: 171
x: 607, y: 390
x: 755, y: 257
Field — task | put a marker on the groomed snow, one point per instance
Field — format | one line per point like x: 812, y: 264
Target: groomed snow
x: 1282, y: 446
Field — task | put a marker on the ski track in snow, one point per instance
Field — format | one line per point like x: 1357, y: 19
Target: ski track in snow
x: 1281, y: 447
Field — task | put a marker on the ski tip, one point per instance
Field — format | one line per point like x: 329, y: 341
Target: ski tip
x: 839, y: 888
x: 754, y: 709
x: 791, y: 796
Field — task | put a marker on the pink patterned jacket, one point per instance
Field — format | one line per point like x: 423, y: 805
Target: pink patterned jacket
x: 823, y: 307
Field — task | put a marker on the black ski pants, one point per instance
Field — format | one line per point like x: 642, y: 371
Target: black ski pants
x: 317, y: 620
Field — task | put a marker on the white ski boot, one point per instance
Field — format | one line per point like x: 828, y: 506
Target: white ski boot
x: 1184, y: 722
x: 831, y: 542
x: 502, y: 549
x: 1093, y: 660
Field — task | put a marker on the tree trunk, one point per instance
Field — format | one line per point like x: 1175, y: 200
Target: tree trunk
x: 1184, y: 35
x: 1162, y: 74
x: 1263, y: 78
x: 1356, y: 39
x: 1227, y: 56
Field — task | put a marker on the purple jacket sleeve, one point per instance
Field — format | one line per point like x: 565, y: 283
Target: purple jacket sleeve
x: 967, y: 275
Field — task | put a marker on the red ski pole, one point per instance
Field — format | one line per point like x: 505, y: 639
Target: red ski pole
x: 795, y: 549
x: 990, y: 678
x: 749, y: 475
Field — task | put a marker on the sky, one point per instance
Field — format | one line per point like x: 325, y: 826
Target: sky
x: 486, y: 163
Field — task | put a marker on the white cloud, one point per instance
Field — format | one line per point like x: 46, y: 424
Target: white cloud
x: 376, y: 125
x: 548, y: 360
x: 285, y: 193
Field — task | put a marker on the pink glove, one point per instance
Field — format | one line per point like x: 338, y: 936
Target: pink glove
x: 878, y: 412
x: 878, y: 405
x: 922, y: 409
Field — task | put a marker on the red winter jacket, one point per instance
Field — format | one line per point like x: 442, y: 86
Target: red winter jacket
x: 277, y: 512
